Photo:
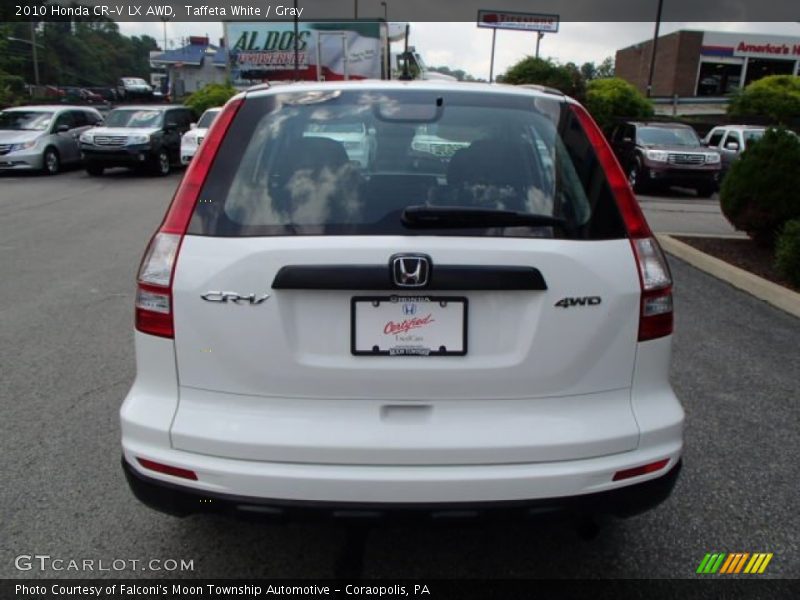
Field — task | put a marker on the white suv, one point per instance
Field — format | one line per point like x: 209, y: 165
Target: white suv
x: 435, y: 334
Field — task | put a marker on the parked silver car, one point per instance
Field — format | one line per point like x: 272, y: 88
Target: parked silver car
x: 43, y: 138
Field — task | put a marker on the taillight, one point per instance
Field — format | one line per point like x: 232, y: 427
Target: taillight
x: 154, y: 282
x: 655, y: 315
x: 154, y: 291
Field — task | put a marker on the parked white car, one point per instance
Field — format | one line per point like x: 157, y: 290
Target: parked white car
x: 732, y: 140
x: 193, y: 138
x: 313, y: 337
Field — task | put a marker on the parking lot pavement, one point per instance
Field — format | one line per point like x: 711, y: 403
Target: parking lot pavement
x: 70, y: 246
x: 681, y: 211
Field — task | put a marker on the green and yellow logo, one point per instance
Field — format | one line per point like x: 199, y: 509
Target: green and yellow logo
x: 737, y: 562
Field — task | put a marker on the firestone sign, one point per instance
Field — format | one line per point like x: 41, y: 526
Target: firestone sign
x: 497, y: 19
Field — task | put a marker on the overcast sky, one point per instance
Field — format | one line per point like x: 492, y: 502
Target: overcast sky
x: 465, y: 46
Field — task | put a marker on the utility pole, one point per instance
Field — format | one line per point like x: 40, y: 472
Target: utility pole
x: 355, y: 9
x: 35, y: 56
x: 296, y: 44
x: 655, y: 49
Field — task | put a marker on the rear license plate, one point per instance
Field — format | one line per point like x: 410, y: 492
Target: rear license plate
x: 408, y: 326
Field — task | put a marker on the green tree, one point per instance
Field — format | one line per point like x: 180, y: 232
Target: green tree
x: 609, y: 99
x: 776, y: 96
x: 606, y: 68
x: 760, y: 192
x: 214, y: 94
x: 565, y: 78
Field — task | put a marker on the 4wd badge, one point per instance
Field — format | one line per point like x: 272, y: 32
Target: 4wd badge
x: 579, y: 301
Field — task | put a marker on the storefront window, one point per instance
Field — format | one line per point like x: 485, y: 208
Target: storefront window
x: 718, y: 79
x: 763, y: 67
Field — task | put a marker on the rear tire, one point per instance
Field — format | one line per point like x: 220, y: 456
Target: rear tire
x: 94, y: 170
x: 51, y: 162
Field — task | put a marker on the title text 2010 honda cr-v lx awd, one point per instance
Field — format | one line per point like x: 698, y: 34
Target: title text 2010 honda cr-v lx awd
x: 485, y: 328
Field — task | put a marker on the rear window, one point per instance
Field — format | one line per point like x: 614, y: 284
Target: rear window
x: 349, y: 162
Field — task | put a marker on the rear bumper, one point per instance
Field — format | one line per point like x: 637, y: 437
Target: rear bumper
x: 178, y: 500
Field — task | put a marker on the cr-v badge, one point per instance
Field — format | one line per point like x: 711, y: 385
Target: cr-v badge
x: 251, y: 299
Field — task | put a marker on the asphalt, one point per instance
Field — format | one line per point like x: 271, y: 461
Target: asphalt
x: 69, y: 248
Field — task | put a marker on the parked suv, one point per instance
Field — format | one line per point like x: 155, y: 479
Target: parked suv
x: 140, y: 137
x: 487, y: 331
x: 665, y: 154
x: 731, y: 140
x: 43, y: 138
x: 134, y: 88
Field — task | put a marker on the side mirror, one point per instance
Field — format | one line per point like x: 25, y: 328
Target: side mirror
x: 192, y: 125
x: 733, y: 146
x: 62, y: 128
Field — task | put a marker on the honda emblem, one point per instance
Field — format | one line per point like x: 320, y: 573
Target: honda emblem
x: 410, y: 270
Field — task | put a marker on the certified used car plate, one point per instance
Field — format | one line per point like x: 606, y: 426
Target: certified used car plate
x: 408, y: 326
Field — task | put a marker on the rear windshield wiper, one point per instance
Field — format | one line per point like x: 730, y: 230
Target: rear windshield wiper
x: 456, y: 217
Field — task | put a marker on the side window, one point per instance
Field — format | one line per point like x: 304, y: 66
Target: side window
x: 716, y: 138
x: 64, y: 118
x: 733, y: 136
x: 93, y: 118
x: 186, y: 119
x: 79, y: 118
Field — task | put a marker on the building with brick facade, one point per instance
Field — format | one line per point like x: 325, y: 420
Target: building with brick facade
x: 707, y: 63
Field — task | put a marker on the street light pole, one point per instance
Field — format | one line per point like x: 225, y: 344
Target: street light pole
x: 355, y: 9
x: 385, y: 11
x: 539, y: 36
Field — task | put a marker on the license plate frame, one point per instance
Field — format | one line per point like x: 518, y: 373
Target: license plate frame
x: 409, y: 349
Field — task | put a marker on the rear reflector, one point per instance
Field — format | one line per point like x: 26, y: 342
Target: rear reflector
x: 167, y: 470
x: 154, y: 292
x: 643, y: 470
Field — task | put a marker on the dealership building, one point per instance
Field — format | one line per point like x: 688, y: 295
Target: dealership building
x: 707, y: 63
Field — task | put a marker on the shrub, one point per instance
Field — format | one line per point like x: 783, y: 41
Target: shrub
x: 787, y: 252
x: 214, y: 94
x: 760, y: 192
x: 12, y: 90
x: 565, y: 78
x: 608, y: 99
x: 776, y: 96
